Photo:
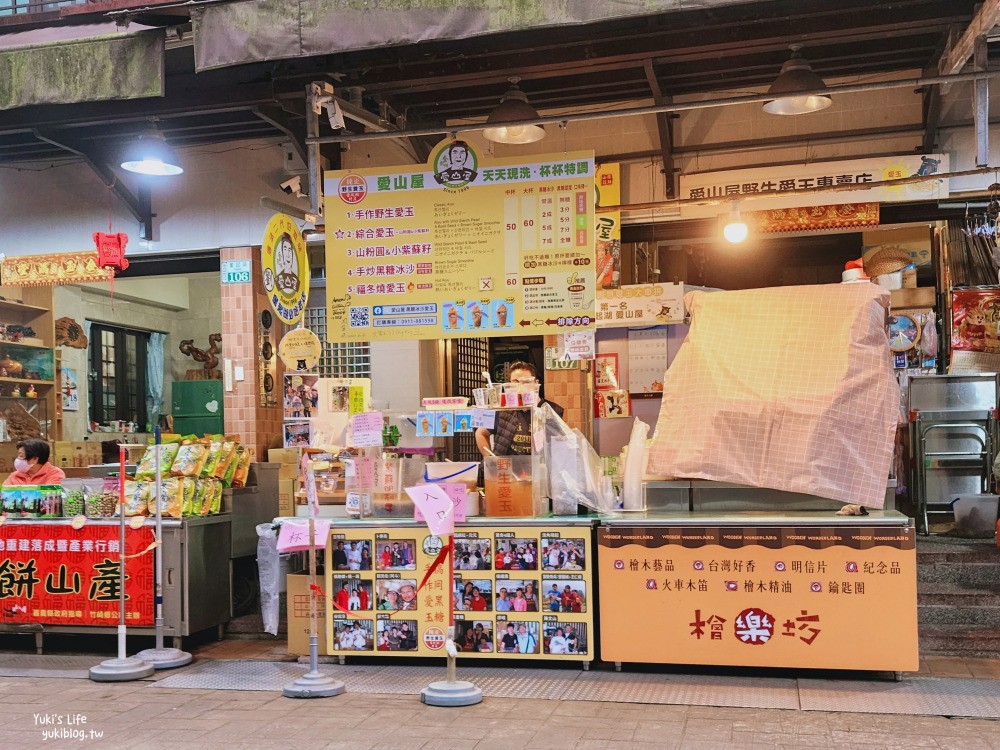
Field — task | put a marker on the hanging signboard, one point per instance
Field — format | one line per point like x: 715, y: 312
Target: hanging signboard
x: 461, y: 246
x: 640, y: 305
x: 286, y: 268
x: 852, y: 175
x: 55, y: 574
x: 52, y: 269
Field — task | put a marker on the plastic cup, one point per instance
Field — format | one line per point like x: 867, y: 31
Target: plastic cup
x: 481, y: 395
x: 529, y: 395
x: 494, y: 392
x: 512, y: 394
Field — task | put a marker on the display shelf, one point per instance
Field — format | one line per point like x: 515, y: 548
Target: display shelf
x: 7, y: 305
x: 26, y: 344
x: 34, y: 310
x: 27, y: 381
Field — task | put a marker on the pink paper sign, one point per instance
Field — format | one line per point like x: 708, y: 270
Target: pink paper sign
x: 438, y: 505
x: 294, y: 535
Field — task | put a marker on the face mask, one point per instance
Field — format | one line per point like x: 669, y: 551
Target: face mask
x: 21, y: 464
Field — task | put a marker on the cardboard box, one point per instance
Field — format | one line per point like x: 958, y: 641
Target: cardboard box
x: 298, y: 616
x: 283, y: 456
x: 75, y: 454
x: 286, y: 497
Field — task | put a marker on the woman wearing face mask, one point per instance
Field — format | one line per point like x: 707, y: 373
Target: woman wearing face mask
x: 32, y: 465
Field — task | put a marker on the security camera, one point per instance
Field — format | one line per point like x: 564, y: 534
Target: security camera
x: 293, y: 185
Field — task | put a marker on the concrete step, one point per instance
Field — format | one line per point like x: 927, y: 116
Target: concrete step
x: 946, y: 614
x: 941, y: 549
x: 960, y: 639
x: 939, y: 594
x: 959, y: 575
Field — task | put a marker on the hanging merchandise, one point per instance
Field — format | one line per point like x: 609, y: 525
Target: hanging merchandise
x: 111, y: 251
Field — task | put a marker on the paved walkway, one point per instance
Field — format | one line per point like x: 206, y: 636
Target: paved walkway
x: 144, y: 715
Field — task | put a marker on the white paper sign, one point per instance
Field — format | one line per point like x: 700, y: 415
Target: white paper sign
x: 366, y: 429
x: 579, y: 345
x: 484, y: 418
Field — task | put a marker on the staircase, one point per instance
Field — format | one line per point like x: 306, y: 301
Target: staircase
x: 958, y: 596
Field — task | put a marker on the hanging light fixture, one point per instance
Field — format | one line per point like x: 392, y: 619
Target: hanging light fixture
x: 150, y: 154
x: 513, y: 108
x: 796, y: 76
x: 735, y: 229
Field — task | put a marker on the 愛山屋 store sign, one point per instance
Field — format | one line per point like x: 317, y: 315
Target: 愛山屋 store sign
x: 745, y: 185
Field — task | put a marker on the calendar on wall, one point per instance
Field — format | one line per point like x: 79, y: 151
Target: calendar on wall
x: 647, y: 359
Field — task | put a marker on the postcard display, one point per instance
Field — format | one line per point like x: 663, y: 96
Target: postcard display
x: 523, y: 591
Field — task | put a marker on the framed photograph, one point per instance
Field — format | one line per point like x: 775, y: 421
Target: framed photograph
x: 298, y: 434
x: 472, y: 554
x: 395, y: 554
x: 474, y: 636
x: 473, y: 594
x: 606, y: 371
x: 352, y: 635
x: 517, y: 637
x: 394, y: 594
x: 396, y: 635
x: 613, y: 403
x: 564, y: 637
x: 300, y: 397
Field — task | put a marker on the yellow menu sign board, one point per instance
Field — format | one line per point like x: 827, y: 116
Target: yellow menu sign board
x: 520, y: 592
x: 461, y: 246
x: 813, y: 597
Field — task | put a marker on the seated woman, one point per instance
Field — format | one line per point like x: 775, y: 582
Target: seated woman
x: 32, y: 465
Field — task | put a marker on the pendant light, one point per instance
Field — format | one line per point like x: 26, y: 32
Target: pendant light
x: 513, y: 108
x: 150, y: 154
x: 735, y: 229
x: 796, y: 77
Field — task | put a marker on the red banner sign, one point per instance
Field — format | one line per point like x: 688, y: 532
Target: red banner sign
x: 52, y: 573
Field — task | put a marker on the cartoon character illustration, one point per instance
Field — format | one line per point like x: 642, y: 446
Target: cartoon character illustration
x: 455, y: 167
x: 287, y: 265
x: 973, y: 328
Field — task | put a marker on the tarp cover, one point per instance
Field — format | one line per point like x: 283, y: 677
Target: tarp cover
x: 789, y: 388
x: 79, y: 64
x: 243, y: 32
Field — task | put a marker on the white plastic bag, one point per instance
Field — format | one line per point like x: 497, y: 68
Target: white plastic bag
x: 269, y: 569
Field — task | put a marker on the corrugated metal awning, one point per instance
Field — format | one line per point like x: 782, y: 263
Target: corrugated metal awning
x: 88, y: 63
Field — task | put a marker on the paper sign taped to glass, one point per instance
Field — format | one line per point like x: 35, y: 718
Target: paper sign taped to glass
x: 786, y: 388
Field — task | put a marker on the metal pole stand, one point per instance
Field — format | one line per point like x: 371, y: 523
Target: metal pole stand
x: 160, y: 656
x: 313, y: 684
x: 451, y: 692
x: 123, y: 668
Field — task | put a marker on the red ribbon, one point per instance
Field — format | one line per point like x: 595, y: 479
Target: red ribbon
x: 317, y: 591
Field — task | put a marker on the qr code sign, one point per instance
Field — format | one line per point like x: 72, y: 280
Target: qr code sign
x: 361, y: 317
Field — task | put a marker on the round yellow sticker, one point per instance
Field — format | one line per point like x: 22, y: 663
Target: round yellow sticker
x: 285, y: 268
x: 299, y: 349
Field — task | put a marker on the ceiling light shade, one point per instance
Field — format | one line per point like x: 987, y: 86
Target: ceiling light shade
x: 513, y: 108
x: 735, y: 229
x: 796, y: 76
x: 150, y: 154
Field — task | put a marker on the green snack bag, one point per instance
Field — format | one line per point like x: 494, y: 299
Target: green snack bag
x: 212, y: 459
x: 216, y: 498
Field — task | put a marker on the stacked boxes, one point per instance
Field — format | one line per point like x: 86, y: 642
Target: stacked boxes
x: 75, y: 454
x: 287, y: 459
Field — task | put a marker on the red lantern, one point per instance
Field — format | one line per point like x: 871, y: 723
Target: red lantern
x: 111, y: 251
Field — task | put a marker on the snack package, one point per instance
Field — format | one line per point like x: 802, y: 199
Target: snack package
x: 170, y: 497
x: 11, y: 499
x: 135, y: 500
x: 227, y: 480
x: 216, y: 504
x: 186, y: 487
x: 190, y: 460
x: 242, y: 469
x: 197, y: 496
x: 147, y: 464
x: 227, y: 457
x: 211, y: 459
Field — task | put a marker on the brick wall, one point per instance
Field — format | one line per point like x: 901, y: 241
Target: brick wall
x: 571, y: 390
x: 258, y: 426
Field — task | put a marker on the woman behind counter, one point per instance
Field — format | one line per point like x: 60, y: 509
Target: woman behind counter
x: 32, y: 465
